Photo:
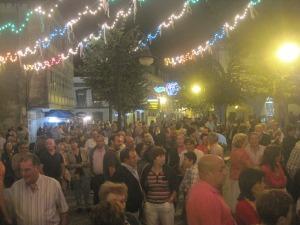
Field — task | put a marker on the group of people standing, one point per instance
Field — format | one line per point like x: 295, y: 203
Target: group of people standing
x: 168, y: 173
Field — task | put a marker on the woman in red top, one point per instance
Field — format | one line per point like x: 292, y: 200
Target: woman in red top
x: 240, y: 161
x: 251, y: 185
x: 274, y: 174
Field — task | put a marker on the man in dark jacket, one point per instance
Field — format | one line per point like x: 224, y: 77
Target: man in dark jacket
x: 127, y: 173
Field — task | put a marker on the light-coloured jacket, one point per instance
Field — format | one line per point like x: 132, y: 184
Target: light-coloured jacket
x: 72, y: 165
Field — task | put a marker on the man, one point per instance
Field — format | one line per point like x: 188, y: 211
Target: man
x: 37, y: 199
x: 190, y: 145
x: 205, y: 205
x: 96, y: 159
x: 112, y: 158
x: 275, y: 207
x: 127, y: 173
x: 52, y: 162
x: 293, y: 164
x: 23, y: 149
x: 264, y: 138
x: 213, y: 146
x: 90, y: 144
x: 254, y: 149
x: 288, y: 143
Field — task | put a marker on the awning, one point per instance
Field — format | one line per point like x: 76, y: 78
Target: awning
x: 59, y: 114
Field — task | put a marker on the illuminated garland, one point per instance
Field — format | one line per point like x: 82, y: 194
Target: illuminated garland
x: 62, y: 57
x: 12, y: 27
x: 168, y: 23
x: 218, y: 36
x: 45, y: 42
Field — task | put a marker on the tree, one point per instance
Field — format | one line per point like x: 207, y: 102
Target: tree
x: 113, y: 72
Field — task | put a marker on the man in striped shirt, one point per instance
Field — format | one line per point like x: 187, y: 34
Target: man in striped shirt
x: 37, y: 199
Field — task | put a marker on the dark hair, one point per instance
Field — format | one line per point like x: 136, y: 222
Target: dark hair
x: 113, y: 137
x: 124, y: 154
x: 270, y: 154
x: 106, y: 213
x: 73, y: 140
x: 31, y: 157
x: 203, y: 135
x: 272, y: 205
x: 248, y: 178
x: 157, y: 151
x: 189, y: 141
x: 191, y: 156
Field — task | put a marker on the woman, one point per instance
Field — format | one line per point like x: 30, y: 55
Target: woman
x: 3, y: 212
x: 78, y: 165
x: 159, y: 184
x: 240, y: 161
x: 251, y: 183
x: 7, y: 156
x: 111, y: 209
x: 274, y: 174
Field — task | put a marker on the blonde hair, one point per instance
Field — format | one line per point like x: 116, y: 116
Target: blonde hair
x: 239, y: 140
x: 114, y: 188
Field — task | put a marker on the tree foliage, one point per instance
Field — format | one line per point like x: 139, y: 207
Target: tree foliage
x: 113, y: 72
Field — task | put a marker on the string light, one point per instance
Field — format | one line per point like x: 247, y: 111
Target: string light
x: 45, y: 42
x: 218, y: 36
x: 168, y: 23
x: 17, y: 29
x: 37, y: 66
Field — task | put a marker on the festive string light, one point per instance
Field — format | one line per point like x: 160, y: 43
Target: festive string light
x: 37, y: 66
x: 16, y: 29
x: 220, y: 35
x: 167, y: 24
x: 57, y: 32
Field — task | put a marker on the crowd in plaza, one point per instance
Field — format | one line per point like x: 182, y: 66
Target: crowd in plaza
x: 170, y: 172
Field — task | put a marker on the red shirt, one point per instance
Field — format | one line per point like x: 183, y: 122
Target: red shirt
x: 203, y: 148
x: 246, y: 213
x: 274, y: 179
x: 205, y: 206
x: 240, y: 160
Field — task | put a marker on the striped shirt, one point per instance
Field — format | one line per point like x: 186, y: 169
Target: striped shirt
x: 158, y: 188
x: 41, y: 206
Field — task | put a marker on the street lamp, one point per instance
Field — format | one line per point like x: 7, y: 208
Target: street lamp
x: 196, y: 89
x: 288, y: 52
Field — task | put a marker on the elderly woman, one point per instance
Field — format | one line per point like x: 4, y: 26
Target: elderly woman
x: 251, y: 184
x: 240, y: 161
x: 111, y: 209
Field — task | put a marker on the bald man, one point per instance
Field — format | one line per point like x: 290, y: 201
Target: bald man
x: 205, y: 205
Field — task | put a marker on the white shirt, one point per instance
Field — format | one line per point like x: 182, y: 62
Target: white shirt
x: 256, y: 157
x: 98, y: 157
x: 42, y: 206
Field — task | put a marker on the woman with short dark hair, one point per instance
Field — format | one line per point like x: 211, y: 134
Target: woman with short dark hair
x: 251, y: 183
x: 271, y: 166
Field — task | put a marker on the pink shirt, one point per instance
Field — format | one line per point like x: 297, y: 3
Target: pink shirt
x: 240, y: 160
x: 205, y: 206
x: 273, y: 179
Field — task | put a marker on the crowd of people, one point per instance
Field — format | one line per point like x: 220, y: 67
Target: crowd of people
x: 170, y: 172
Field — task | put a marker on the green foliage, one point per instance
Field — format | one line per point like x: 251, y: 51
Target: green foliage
x: 113, y: 72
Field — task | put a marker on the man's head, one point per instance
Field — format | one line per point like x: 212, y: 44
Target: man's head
x: 23, y: 147
x: 253, y: 139
x: 129, y: 157
x: 100, y: 143
x: 212, y: 169
x: 212, y: 138
x: 116, y: 141
x: 50, y: 144
x: 29, y: 168
x: 94, y: 134
x: 180, y: 140
x: 74, y: 144
x: 129, y: 142
x: 189, y: 144
x: 190, y: 159
x: 275, y: 208
x: 158, y: 156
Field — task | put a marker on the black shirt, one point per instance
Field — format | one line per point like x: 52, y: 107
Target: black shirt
x: 52, y: 164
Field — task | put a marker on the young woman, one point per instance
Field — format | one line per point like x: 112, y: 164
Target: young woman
x: 251, y: 183
x: 274, y: 174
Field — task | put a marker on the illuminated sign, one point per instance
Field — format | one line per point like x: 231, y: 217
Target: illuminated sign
x: 171, y: 88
